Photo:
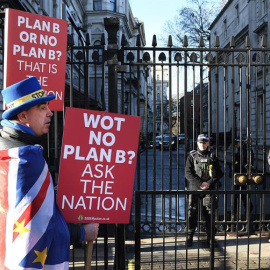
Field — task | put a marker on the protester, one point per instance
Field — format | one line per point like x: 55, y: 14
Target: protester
x: 34, y: 234
x: 202, y: 172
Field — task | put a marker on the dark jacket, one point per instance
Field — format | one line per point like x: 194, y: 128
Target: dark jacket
x: 11, y: 138
x: 198, y: 165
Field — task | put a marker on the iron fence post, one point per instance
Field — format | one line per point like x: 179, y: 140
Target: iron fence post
x: 138, y: 230
x: 212, y: 232
x: 112, y: 26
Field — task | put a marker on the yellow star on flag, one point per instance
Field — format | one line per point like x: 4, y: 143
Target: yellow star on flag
x: 41, y: 256
x: 20, y: 228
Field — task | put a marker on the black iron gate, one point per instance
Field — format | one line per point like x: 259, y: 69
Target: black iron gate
x: 179, y: 92
x: 160, y: 239
x: 188, y: 91
x: 224, y: 95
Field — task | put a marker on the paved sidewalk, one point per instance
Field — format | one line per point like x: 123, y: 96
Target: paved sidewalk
x: 170, y: 253
x: 198, y: 257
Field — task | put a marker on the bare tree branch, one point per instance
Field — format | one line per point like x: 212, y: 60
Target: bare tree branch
x: 193, y: 21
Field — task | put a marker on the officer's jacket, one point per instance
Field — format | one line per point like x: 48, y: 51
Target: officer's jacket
x: 202, y: 167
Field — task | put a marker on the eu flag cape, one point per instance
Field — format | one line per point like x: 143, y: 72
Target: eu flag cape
x: 33, y: 232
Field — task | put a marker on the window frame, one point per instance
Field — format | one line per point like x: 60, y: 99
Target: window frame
x: 97, y: 5
x: 113, y: 5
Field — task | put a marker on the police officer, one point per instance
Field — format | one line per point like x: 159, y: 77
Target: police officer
x: 202, y: 172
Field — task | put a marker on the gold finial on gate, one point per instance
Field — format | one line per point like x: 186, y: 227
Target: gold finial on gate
x: 242, y: 179
x: 257, y: 178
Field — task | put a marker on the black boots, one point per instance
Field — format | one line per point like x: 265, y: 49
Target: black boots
x: 208, y: 241
x: 189, y: 241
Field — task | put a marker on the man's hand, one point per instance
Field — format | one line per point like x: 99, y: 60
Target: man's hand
x: 91, y: 231
x: 204, y: 186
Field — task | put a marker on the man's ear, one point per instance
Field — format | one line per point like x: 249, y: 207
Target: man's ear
x: 22, y: 117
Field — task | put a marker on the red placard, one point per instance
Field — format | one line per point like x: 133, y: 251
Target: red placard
x: 35, y: 45
x: 97, y: 168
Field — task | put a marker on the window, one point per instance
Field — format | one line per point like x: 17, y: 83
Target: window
x: 41, y: 3
x: 99, y: 51
x: 264, y: 6
x: 113, y: 5
x: 158, y: 114
x: 97, y: 5
x: 227, y: 119
x: 225, y: 28
x: 237, y: 117
x: 165, y: 90
x: 260, y: 113
x: 158, y: 126
x: 237, y: 14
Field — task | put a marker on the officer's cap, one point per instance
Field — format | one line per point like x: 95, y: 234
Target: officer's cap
x: 202, y: 138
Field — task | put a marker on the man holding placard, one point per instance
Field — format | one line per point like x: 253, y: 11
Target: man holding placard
x: 34, y: 233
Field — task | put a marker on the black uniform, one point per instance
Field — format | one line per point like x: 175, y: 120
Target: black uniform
x: 201, y: 167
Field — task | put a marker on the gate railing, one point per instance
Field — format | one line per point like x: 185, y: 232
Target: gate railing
x: 152, y: 232
x: 219, y: 91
